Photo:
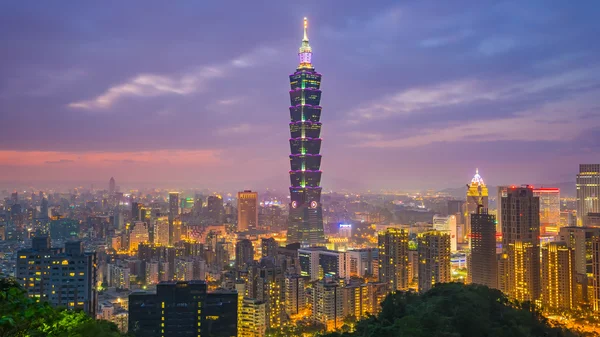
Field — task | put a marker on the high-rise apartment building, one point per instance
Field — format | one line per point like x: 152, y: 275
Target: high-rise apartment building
x: 521, y: 243
x: 214, y: 209
x: 64, y: 277
x: 477, y: 194
x: 434, y: 259
x: 588, y: 191
x: 244, y: 253
x: 305, y: 222
x: 183, y: 309
x: 558, y: 276
x: 549, y: 209
x: 268, y: 247
x: 448, y: 224
x: 247, y: 210
x: 252, y: 318
x: 173, y: 214
x: 393, y: 258
x: 501, y: 192
x: 483, y: 268
x: 295, y: 295
x: 328, y: 303
x: 362, y: 262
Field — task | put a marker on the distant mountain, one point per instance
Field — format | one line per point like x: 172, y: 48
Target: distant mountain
x: 567, y: 189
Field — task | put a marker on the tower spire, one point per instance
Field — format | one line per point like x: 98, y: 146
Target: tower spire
x: 305, y: 39
x: 305, y: 51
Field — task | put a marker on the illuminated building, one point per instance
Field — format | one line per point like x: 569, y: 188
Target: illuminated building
x: 549, y: 209
x: 183, y: 309
x: 434, y: 259
x: 393, y: 258
x: 501, y: 192
x: 165, y: 271
x: 64, y: 277
x: 268, y: 247
x: 295, y: 296
x: 588, y: 192
x: 252, y: 318
x: 361, y: 300
x: 483, y: 268
x: 580, y: 240
x: 152, y: 270
x: 328, y: 303
x: 558, y: 276
x: 447, y: 223
x: 305, y: 223
x: 477, y: 193
x: 184, y: 269
x: 521, y: 243
x: 118, y: 276
x: 244, y: 253
x: 596, y: 273
x: 266, y: 283
x: 362, y: 262
x: 161, y: 232
x: 173, y: 213
x: 138, y: 234
x: 345, y: 231
x: 247, y: 210
x: 318, y: 262
x: 214, y: 209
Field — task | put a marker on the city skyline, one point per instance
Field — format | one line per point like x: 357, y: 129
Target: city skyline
x: 170, y: 99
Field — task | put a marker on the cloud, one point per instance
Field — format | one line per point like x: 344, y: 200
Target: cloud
x: 60, y: 161
x: 556, y: 121
x: 97, y: 158
x: 441, y: 41
x: 496, y: 45
x: 237, y: 129
x: 150, y: 85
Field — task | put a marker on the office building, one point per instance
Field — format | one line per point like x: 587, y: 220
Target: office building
x: 64, y: 277
x: 305, y: 222
x: 112, y: 187
x: 502, y: 192
x: 393, y: 258
x: 521, y: 243
x: 244, y: 253
x: 214, y: 210
x: 173, y: 214
x: 483, y: 268
x: 558, y: 276
x: 549, y: 209
x: 183, y: 309
x: 477, y: 194
x: 434, y: 259
x: 247, y: 210
x: 588, y: 192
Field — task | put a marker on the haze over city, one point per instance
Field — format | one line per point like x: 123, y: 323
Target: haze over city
x: 194, y: 94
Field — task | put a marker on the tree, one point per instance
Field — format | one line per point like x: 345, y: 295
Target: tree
x: 25, y: 317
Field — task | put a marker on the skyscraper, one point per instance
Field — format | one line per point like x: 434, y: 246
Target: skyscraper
x: 244, y: 253
x: 247, y: 210
x: 483, y: 268
x: 521, y: 243
x: 476, y: 194
x: 112, y: 188
x: 549, y: 209
x: 214, y: 209
x: 305, y: 223
x: 173, y: 213
x: 393, y: 258
x: 434, y: 259
x: 558, y: 276
x: 588, y: 191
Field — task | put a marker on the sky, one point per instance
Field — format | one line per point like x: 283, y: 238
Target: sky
x: 416, y: 94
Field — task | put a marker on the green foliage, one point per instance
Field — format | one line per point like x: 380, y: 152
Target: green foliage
x: 24, y: 317
x: 454, y: 310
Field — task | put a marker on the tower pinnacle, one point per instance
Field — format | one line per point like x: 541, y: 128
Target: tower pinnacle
x: 305, y: 51
x: 305, y: 28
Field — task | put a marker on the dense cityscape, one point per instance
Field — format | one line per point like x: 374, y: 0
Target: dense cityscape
x: 189, y: 261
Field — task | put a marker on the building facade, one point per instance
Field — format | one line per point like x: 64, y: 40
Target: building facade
x: 558, y: 276
x: 588, y: 191
x: 434, y: 259
x: 305, y: 222
x: 247, y: 210
x: 483, y: 268
x: 393, y: 258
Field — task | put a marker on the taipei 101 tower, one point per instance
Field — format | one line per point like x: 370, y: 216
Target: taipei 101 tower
x: 305, y: 223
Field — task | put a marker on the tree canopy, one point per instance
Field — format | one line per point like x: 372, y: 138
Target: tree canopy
x: 22, y: 316
x: 454, y: 310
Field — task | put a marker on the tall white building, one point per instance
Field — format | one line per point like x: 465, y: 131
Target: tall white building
x: 447, y: 224
x: 588, y: 191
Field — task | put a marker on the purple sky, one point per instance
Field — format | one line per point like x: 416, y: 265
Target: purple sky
x: 415, y: 94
